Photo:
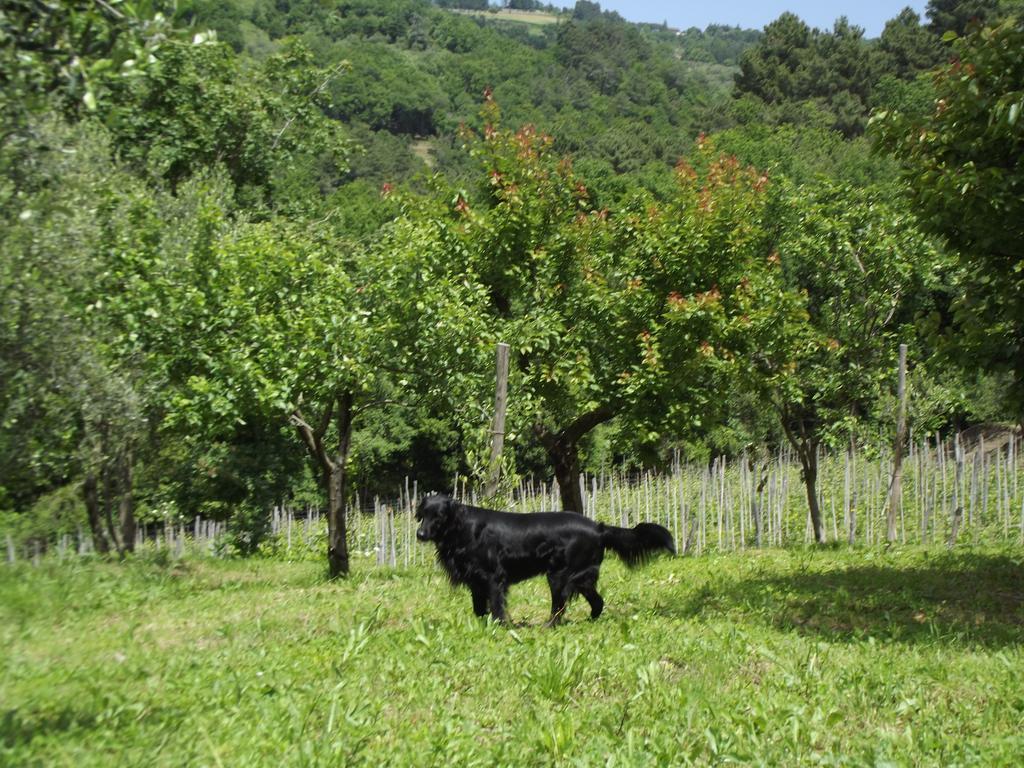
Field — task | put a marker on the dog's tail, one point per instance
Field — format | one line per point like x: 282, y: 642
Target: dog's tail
x: 636, y: 545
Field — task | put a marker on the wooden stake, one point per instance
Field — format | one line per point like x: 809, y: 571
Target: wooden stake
x: 896, y: 486
x: 498, y: 428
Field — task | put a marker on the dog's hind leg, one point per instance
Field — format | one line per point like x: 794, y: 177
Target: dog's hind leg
x: 595, y: 600
x: 585, y: 583
x: 559, y: 584
x: 479, y: 600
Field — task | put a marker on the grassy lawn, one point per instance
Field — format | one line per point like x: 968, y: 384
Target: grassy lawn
x: 861, y: 657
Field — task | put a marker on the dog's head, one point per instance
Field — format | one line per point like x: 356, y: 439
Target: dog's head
x: 435, y: 514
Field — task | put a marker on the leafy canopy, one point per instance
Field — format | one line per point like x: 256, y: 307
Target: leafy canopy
x: 962, y: 161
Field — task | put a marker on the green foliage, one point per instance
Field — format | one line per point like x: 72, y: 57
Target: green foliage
x: 601, y: 50
x: 102, y: 314
x: 248, y: 527
x: 955, y: 15
x: 609, y: 90
x: 909, y: 47
x: 892, y: 93
x: 56, y: 513
x: 71, y: 52
x: 836, y: 70
x: 673, y: 292
x: 961, y: 158
x: 66, y: 377
x: 865, y: 274
x: 202, y: 252
x: 197, y: 108
x: 386, y: 90
x: 718, y: 43
x: 805, y: 154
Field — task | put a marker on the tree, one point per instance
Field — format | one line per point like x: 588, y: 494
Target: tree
x: 602, y: 50
x: 627, y: 314
x: 274, y: 328
x: 584, y: 10
x: 863, y: 274
x: 383, y: 89
x: 71, y: 360
x: 280, y: 322
x: 70, y: 52
x: 198, y: 107
x: 833, y: 72
x: 909, y: 46
x: 955, y: 15
x: 962, y: 160
x: 775, y: 69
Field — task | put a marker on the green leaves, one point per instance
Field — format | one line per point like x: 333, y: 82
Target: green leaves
x: 198, y: 107
x: 73, y: 51
x: 961, y: 159
x: 638, y: 312
x: 858, y: 274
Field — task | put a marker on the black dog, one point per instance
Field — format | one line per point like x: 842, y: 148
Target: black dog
x: 488, y: 550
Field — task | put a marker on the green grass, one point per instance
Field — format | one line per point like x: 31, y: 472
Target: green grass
x: 844, y: 657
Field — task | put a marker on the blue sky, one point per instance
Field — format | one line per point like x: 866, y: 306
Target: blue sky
x: 754, y: 14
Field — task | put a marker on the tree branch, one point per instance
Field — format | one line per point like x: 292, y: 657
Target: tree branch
x: 346, y: 415
x: 325, y: 421
x: 314, y: 443
x: 330, y: 76
x: 585, y: 423
x: 374, y: 404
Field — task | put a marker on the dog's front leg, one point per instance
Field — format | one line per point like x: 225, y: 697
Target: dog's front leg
x: 479, y: 600
x: 498, y: 590
x: 559, y: 583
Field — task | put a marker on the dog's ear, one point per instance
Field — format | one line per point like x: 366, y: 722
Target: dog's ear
x: 451, y: 507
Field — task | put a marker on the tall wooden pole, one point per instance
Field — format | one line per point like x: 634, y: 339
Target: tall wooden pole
x: 498, y: 429
x: 896, y: 487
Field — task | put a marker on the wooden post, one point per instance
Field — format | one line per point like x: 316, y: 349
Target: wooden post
x: 957, y: 503
x: 896, y: 487
x: 498, y: 430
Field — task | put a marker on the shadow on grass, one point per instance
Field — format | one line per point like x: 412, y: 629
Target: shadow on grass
x: 15, y: 730
x: 962, y: 598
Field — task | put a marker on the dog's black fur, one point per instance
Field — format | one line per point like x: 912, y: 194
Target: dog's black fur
x: 488, y: 550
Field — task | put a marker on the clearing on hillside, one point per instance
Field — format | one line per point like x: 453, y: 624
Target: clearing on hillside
x: 507, y: 14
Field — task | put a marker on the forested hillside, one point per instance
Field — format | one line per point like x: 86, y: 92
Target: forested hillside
x: 623, y: 99
x: 261, y: 252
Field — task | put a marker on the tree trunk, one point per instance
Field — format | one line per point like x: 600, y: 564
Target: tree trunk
x: 337, y: 529
x: 563, y: 452
x: 333, y: 474
x: 566, y: 464
x: 809, y: 463
x: 126, y: 504
x: 337, y: 539
x: 108, y: 505
x: 90, y: 492
x: 805, y: 442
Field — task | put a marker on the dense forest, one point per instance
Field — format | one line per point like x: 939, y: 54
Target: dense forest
x: 259, y: 252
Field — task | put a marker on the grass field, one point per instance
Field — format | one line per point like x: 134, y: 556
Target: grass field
x: 783, y: 657
x: 510, y: 14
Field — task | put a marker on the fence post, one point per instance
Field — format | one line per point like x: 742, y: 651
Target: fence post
x: 896, y: 487
x: 498, y: 428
